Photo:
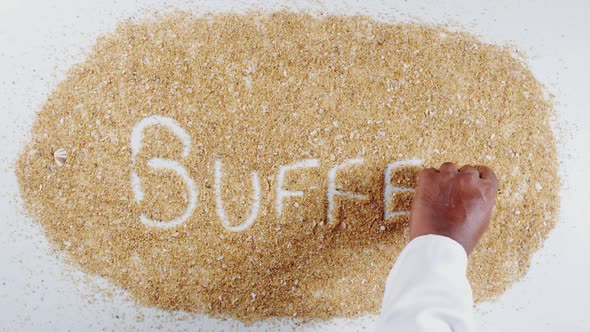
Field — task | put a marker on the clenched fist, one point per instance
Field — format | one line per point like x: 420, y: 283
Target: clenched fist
x: 452, y: 202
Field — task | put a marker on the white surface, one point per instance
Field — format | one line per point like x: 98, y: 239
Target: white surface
x: 39, y: 40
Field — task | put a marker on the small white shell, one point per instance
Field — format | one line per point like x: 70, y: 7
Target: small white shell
x: 60, y: 157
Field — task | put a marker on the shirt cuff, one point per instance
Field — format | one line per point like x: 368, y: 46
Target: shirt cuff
x: 435, y: 248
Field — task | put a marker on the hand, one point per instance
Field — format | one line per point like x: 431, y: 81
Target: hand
x: 454, y: 203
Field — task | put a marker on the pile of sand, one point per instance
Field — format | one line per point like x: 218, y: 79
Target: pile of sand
x: 239, y: 165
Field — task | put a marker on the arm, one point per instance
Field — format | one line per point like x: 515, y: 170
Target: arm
x: 427, y: 289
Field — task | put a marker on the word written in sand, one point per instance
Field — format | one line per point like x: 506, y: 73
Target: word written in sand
x: 282, y: 193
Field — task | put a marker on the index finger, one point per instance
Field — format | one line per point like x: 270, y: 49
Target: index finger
x: 487, y: 173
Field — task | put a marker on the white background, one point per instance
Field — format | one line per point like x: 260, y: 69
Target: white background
x: 40, y: 39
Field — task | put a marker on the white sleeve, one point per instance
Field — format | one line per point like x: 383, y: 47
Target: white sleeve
x: 427, y: 289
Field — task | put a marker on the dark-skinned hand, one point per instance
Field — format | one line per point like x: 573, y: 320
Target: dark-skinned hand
x: 452, y: 202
